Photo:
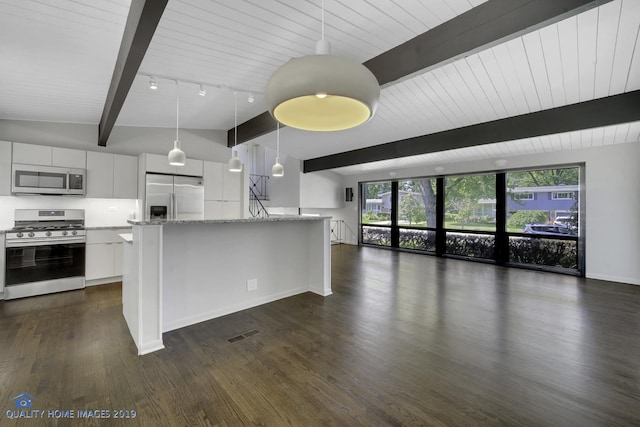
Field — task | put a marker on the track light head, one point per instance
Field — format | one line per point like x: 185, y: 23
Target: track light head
x: 153, y: 84
x: 251, y: 98
x: 202, y: 91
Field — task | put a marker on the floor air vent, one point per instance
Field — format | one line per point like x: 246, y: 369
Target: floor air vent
x: 243, y: 336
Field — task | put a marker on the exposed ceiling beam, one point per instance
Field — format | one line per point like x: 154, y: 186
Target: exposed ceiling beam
x: 484, y: 26
x: 600, y: 112
x: 143, y: 18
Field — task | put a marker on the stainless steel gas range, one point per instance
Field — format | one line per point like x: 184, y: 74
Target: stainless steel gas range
x: 45, y: 252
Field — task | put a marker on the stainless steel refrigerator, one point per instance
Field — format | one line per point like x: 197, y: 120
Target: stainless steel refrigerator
x: 174, y: 197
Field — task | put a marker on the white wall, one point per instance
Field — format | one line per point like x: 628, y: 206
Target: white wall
x: 612, y: 202
x: 321, y: 190
x: 131, y: 140
x: 283, y: 191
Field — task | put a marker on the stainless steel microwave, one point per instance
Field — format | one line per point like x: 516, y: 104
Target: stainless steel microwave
x: 35, y: 179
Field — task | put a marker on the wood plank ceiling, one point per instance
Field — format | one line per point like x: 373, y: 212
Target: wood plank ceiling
x: 238, y: 44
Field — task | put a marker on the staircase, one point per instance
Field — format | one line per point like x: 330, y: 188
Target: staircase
x: 258, y: 194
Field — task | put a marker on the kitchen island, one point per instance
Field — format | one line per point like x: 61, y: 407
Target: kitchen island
x: 181, y: 272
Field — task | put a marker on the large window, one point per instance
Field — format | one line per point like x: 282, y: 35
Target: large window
x: 375, y: 214
x: 523, y: 218
x: 470, y: 210
x: 417, y: 214
x: 470, y: 202
x: 544, y: 230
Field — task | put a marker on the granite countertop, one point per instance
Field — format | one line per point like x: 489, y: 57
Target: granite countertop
x: 109, y: 227
x: 274, y: 218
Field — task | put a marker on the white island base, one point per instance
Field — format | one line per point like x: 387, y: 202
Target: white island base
x: 178, y: 273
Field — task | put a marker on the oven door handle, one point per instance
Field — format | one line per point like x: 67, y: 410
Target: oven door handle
x: 43, y: 242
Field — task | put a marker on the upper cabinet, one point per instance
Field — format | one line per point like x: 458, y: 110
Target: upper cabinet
x: 213, y: 173
x: 125, y: 177
x: 5, y: 169
x: 112, y: 176
x: 30, y: 154
x: 231, y: 185
x: 220, y: 184
x: 68, y: 158
x: 156, y: 163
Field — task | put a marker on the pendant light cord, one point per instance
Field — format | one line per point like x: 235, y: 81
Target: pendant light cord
x: 177, y: 109
x: 235, y: 119
x: 322, y: 19
x: 277, y: 139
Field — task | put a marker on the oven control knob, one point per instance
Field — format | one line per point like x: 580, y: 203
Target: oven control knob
x: 74, y: 232
x: 48, y: 233
x: 31, y: 234
x: 64, y: 233
x: 19, y: 234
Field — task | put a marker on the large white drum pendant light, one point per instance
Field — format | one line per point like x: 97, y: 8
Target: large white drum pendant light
x: 322, y: 92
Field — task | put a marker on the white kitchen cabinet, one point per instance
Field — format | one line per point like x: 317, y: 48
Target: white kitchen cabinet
x: 104, y: 255
x: 231, y: 186
x: 99, y: 261
x: 69, y: 158
x: 125, y: 177
x: 111, y: 176
x: 5, y: 168
x: 191, y: 167
x: 213, y: 209
x: 99, y: 175
x: 231, y: 210
x: 222, y: 192
x: 213, y: 173
x: 156, y: 163
x: 30, y: 154
x: 118, y: 253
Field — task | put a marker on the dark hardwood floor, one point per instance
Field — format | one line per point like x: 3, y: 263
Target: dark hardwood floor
x: 405, y: 340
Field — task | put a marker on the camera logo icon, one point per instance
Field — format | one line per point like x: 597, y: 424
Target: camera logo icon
x: 23, y: 400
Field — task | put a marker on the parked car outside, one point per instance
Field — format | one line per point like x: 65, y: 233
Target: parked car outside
x: 549, y: 229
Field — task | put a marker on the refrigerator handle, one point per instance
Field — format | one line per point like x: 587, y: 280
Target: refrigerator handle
x: 171, y: 207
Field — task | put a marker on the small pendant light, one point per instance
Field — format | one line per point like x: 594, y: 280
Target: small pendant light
x: 177, y: 156
x: 235, y: 164
x: 277, y: 169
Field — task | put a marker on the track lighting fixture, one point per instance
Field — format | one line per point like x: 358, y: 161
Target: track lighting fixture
x: 235, y: 164
x: 202, y: 85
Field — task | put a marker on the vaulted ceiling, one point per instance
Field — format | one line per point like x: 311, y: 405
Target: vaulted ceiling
x: 58, y: 60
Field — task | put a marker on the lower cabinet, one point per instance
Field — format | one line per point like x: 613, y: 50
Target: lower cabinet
x: 103, y: 262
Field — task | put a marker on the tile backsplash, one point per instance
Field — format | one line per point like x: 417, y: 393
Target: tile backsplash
x: 98, y: 212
